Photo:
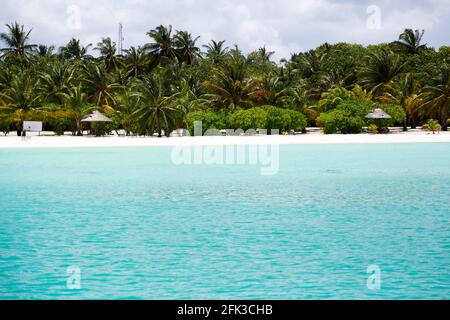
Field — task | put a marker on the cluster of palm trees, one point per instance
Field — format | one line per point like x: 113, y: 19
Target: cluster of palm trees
x: 152, y: 88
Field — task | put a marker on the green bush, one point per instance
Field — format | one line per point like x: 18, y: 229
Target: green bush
x: 5, y: 126
x: 284, y: 119
x: 59, y: 124
x: 298, y: 120
x: 265, y: 117
x: 433, y: 126
x: 268, y: 117
x: 255, y: 118
x: 348, y: 117
x: 102, y: 128
x: 277, y: 118
x: 340, y: 120
x: 209, y: 119
x: 396, y: 112
x: 373, y: 129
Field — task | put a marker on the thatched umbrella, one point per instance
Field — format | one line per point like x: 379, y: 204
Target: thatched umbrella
x: 379, y: 115
x: 96, y: 116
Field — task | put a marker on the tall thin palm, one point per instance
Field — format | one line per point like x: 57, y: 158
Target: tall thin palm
x: 75, y: 51
x: 76, y: 106
x: 107, y: 49
x: 44, y: 51
x: 156, y: 114
x: 411, y: 40
x: 16, y: 41
x: 265, y: 54
x: 186, y: 48
x: 136, y: 61
x: 216, y: 50
x: 162, y: 45
x: 128, y: 102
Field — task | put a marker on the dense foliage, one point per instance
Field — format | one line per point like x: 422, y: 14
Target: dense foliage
x: 171, y: 82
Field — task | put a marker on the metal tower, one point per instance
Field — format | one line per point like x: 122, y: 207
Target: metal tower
x: 120, y: 43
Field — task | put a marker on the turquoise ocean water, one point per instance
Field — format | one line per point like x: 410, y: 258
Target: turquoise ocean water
x: 139, y: 227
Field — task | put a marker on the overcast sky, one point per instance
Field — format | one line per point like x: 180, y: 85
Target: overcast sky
x: 284, y: 26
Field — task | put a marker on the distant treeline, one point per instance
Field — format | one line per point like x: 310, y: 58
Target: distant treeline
x: 170, y: 82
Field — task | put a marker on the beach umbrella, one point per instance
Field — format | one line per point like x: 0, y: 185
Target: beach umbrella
x: 96, y: 116
x: 378, y: 114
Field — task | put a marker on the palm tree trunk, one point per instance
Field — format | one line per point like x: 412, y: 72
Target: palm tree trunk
x: 158, y: 126
x: 413, y: 121
x: 444, y: 118
x: 235, y: 103
x: 79, y: 132
x: 19, y: 129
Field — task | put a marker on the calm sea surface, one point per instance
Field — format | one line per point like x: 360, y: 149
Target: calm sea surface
x: 137, y: 226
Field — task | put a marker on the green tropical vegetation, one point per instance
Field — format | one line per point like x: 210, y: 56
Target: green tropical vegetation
x: 171, y: 82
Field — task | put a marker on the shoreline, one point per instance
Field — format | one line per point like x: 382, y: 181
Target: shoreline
x: 35, y: 141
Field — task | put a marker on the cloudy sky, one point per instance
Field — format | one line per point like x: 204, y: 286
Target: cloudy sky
x: 284, y: 26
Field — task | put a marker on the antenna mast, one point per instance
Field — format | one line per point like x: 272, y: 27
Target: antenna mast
x: 120, y: 44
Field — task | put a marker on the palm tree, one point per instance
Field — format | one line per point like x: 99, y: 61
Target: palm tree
x: 99, y: 85
x: 230, y: 85
x: 45, y: 51
x: 270, y: 91
x: 107, y: 49
x: 128, y: 102
x: 264, y: 54
x: 381, y: 68
x: 260, y: 63
x: 7, y: 72
x: 298, y: 100
x: 187, y: 98
x: 410, y: 40
x: 75, y: 51
x: 216, y: 51
x: 162, y: 45
x: 57, y: 80
x: 156, y: 114
x: 76, y: 106
x: 136, y: 61
x: 236, y: 53
x: 309, y: 63
x: 437, y: 97
x: 404, y: 94
x: 16, y: 41
x: 20, y: 98
x: 185, y: 47
x: 330, y: 79
x: 333, y: 97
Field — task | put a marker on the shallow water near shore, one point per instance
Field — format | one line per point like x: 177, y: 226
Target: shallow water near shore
x: 139, y: 227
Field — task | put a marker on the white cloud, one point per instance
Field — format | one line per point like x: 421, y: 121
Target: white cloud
x: 284, y: 26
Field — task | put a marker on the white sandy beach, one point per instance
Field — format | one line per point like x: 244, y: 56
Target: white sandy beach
x: 67, y: 141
